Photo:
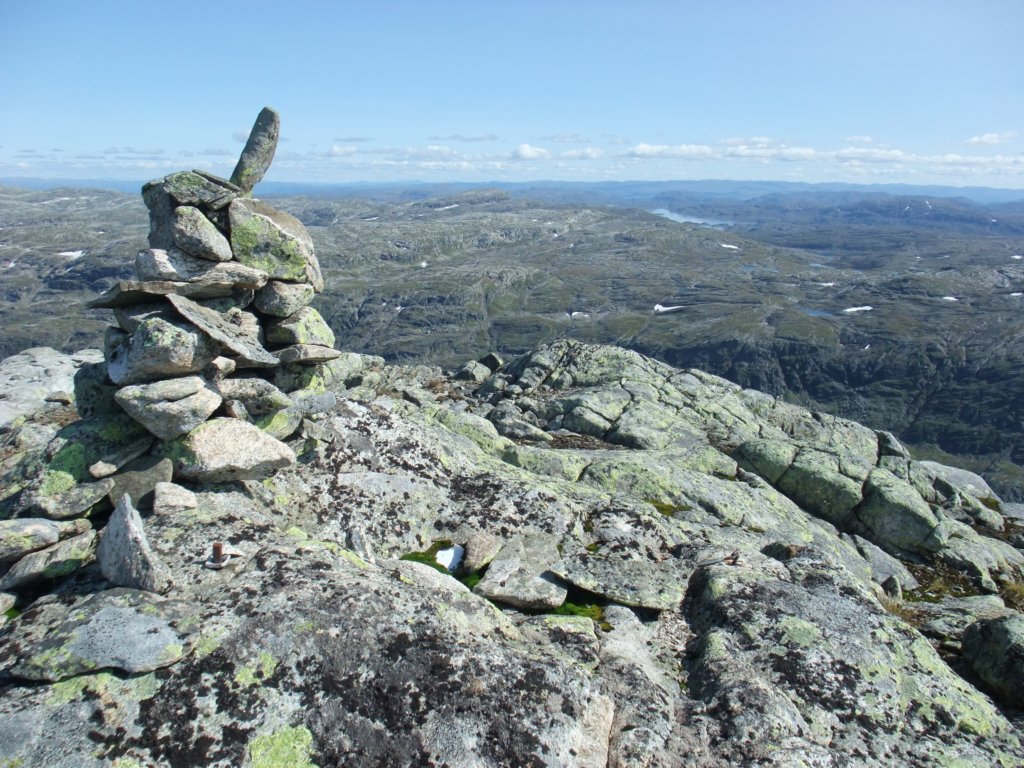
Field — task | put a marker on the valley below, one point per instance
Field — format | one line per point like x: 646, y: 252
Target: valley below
x: 901, y: 312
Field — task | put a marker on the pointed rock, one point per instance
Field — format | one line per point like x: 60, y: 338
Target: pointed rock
x: 169, y: 408
x: 125, y: 556
x: 259, y: 150
x: 227, y: 334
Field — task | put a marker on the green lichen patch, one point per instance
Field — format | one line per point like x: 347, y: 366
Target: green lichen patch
x: 285, y: 748
x: 668, y: 508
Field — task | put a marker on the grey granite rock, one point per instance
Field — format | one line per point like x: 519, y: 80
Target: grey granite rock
x: 50, y: 564
x: 228, y: 449
x: 159, y: 349
x: 200, y: 189
x: 29, y: 377
x: 280, y: 299
x: 259, y: 150
x: 259, y: 396
x: 125, y: 556
x: 27, y: 534
x: 138, y: 480
x: 305, y: 326
x: 127, y: 293
x: 628, y: 581
x: 171, y: 407
x: 170, y: 498
x: 197, y: 236
x: 995, y: 649
x: 172, y: 265
x: 274, y: 242
x: 112, y: 462
x: 74, y: 502
x: 520, y: 575
x: 235, y: 339
x: 306, y: 354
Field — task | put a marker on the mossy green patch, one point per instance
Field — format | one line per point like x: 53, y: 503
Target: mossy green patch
x: 285, y: 748
x: 429, y: 556
x: 667, y: 508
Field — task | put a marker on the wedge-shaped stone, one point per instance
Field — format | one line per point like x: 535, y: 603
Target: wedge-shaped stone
x: 307, y: 354
x: 169, y: 408
x: 159, y: 349
x: 259, y: 150
x: 200, y: 189
x: 232, y: 337
x: 273, y: 241
x: 127, y: 293
x: 123, y: 629
x: 50, y: 564
x: 519, y: 575
x: 259, y: 396
x: 125, y: 556
x: 197, y: 235
x: 178, y: 266
x: 306, y: 326
x: 280, y: 299
x: 113, y: 461
x: 28, y: 534
x: 228, y: 449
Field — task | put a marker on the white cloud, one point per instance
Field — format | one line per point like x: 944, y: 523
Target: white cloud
x: 462, y: 137
x: 526, y: 152
x: 767, y: 152
x: 340, y: 150
x: 860, y: 139
x: 587, y: 153
x: 567, y: 138
x: 871, y: 155
x: 353, y: 139
x: 431, y: 152
x: 992, y: 139
x: 681, y: 151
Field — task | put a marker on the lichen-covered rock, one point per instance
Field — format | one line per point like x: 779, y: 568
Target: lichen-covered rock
x: 196, y: 235
x: 218, y: 327
x: 50, y: 564
x: 259, y: 150
x: 200, y: 189
x: 259, y: 396
x: 169, y: 408
x: 228, y: 449
x: 175, y: 265
x: 28, y: 534
x: 305, y: 326
x: 74, y: 502
x: 281, y: 299
x: 274, y: 242
x: 306, y: 354
x: 995, y: 649
x: 125, y: 556
x: 159, y: 349
x: 520, y: 574
x: 897, y: 517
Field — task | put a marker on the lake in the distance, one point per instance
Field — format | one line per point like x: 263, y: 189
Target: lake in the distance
x: 681, y: 218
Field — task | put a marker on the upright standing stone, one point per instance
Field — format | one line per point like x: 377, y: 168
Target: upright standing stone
x: 125, y: 555
x: 259, y: 150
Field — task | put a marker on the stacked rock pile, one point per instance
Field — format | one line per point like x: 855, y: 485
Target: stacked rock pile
x: 217, y: 322
x: 216, y: 354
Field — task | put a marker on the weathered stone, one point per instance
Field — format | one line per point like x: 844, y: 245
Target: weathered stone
x: 28, y: 534
x: 129, y: 317
x: 281, y: 424
x: 896, y: 517
x: 126, y: 293
x: 161, y: 214
x: 481, y: 548
x: 519, y: 575
x: 28, y: 378
x: 280, y: 299
x: 274, y: 242
x: 123, y: 629
x: 170, y: 498
x: 219, y: 368
x: 305, y: 326
x: 200, y: 189
x: 113, y: 461
x: 159, y: 349
x: 306, y: 354
x: 634, y: 582
x: 74, y: 502
x: 196, y: 235
x: 173, y: 265
x: 228, y: 449
x: 50, y: 564
x: 259, y: 396
x: 171, y: 407
x: 995, y: 650
x: 883, y: 565
x: 139, y: 479
x: 125, y: 556
x: 473, y: 371
x: 492, y: 360
x: 229, y: 335
x: 259, y: 150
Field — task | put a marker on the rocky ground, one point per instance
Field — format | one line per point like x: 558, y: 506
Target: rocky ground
x: 582, y: 557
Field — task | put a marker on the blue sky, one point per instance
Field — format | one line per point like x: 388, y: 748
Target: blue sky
x: 865, y: 91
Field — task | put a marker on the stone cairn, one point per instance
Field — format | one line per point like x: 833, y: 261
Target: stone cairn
x: 217, y: 323
x: 216, y: 354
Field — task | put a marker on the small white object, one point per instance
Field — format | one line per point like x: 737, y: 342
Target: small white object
x: 71, y: 254
x: 950, y: 298
x: 851, y: 310
x: 825, y: 285
x: 451, y: 558
x: 423, y: 265
x: 660, y: 310
x: 730, y: 247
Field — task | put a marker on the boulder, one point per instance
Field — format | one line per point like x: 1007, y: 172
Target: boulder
x: 274, y: 242
x: 198, y: 236
x: 200, y: 189
x: 171, y: 407
x: 156, y: 264
x: 520, y: 575
x: 259, y: 150
x: 995, y: 650
x: 160, y: 349
x: 50, y: 564
x: 305, y: 326
x: 228, y: 449
x: 897, y: 518
x: 281, y: 299
x: 28, y: 534
x: 259, y: 396
x: 125, y: 556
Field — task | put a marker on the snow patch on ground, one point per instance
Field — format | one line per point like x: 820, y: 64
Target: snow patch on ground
x: 851, y: 310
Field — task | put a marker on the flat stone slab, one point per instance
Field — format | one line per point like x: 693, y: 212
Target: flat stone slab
x: 50, y: 564
x: 307, y: 354
x: 24, y: 535
x: 519, y: 575
x: 228, y: 449
x: 126, y: 293
x: 177, y: 266
x: 73, y: 502
x: 200, y: 189
x: 122, y: 629
x: 640, y: 583
x: 230, y: 336
x: 113, y: 461
x: 171, y: 407
x: 31, y: 376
